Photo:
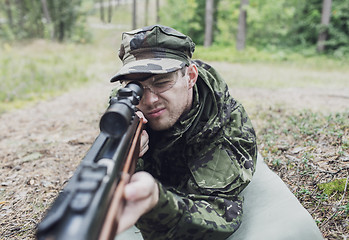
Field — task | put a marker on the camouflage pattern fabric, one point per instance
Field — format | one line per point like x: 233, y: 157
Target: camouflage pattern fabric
x: 201, y: 164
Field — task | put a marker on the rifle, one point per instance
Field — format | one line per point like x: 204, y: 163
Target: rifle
x: 91, y: 203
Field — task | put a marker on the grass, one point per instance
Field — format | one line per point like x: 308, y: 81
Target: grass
x: 337, y: 186
x: 40, y: 69
x: 306, y: 57
x: 296, y: 70
x: 25, y: 73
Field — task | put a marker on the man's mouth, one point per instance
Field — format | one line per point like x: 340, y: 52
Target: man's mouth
x: 155, y: 113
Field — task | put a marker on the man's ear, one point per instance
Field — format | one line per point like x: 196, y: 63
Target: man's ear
x: 193, y: 75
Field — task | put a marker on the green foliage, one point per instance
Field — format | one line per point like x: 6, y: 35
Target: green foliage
x: 227, y: 19
x: 269, y: 21
x: 297, y: 23
x: 187, y: 17
x: 26, y: 19
x: 198, y: 33
x: 271, y: 24
x: 335, y: 186
x: 308, y: 19
x: 23, y: 19
x: 306, y: 30
x: 199, y: 17
x: 179, y: 17
x: 339, y: 29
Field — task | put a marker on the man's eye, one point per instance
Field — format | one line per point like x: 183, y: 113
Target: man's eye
x: 161, y: 83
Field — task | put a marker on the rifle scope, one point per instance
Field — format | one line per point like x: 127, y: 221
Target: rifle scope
x: 121, y: 110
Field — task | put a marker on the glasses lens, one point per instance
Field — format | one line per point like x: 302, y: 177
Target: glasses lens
x: 162, y: 85
x: 158, y: 83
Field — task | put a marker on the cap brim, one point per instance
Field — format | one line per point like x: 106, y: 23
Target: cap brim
x: 148, y: 66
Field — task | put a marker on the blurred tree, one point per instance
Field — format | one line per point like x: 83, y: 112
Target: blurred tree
x: 45, y: 10
x: 157, y: 11
x: 179, y: 17
x: 269, y: 22
x: 197, y: 30
x: 47, y: 16
x: 134, y: 14
x: 101, y: 10
x: 208, y: 22
x: 64, y: 15
x: 110, y: 10
x: 242, y: 27
x: 227, y: 22
x: 39, y: 18
x: 8, y: 10
x: 306, y: 31
x: 325, y: 22
x: 146, y: 12
x: 338, y: 32
x: 197, y: 22
x: 117, y: 2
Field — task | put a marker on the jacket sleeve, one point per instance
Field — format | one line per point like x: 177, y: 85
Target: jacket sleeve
x: 209, y: 207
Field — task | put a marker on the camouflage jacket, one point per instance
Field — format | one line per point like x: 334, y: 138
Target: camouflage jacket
x: 201, y: 164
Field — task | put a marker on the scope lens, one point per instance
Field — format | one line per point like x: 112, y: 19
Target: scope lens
x: 114, y: 124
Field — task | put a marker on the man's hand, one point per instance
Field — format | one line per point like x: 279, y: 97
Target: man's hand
x: 141, y: 195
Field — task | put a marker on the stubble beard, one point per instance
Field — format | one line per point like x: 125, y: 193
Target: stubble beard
x: 166, y: 122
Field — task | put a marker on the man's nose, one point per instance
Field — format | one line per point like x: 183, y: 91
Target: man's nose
x: 149, y: 97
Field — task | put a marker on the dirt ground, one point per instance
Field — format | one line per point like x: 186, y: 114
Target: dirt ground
x: 41, y: 145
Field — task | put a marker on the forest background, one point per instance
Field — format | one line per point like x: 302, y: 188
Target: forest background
x: 49, y: 47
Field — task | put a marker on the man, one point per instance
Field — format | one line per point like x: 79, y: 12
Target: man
x: 198, y: 149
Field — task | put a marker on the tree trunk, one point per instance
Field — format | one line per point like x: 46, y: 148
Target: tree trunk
x: 61, y: 31
x: 110, y: 10
x: 146, y: 11
x: 242, y: 28
x: 157, y: 11
x: 48, y: 18
x: 20, y: 20
x: 209, y: 23
x: 325, y: 22
x: 9, y: 12
x: 101, y: 10
x: 134, y: 15
x: 45, y: 10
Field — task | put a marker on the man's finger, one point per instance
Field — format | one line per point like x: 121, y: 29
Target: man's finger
x: 141, y: 186
x: 141, y: 115
x: 144, y: 143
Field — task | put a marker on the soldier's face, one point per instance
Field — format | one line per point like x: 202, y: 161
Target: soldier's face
x: 161, y: 108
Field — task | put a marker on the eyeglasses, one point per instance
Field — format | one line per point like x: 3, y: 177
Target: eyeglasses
x: 160, y: 83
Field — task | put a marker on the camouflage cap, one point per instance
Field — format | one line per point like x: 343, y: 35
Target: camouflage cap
x: 154, y: 49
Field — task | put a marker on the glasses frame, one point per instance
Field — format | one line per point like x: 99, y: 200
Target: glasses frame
x: 156, y: 78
